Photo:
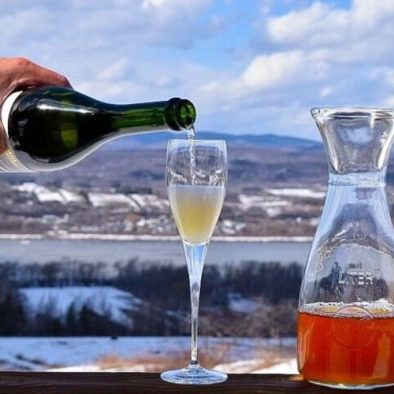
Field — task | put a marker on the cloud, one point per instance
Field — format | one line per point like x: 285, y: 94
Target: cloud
x: 132, y: 43
x: 268, y: 74
x: 263, y: 72
x: 385, y: 74
x: 266, y: 71
x: 389, y: 102
x: 248, y: 69
x: 355, y: 34
x: 118, y: 70
x: 295, y: 27
x: 104, y: 24
x: 319, y: 55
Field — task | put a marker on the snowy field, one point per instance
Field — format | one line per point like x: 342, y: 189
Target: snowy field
x: 136, y: 353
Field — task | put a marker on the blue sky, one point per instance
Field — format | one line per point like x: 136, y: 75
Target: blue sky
x: 250, y: 66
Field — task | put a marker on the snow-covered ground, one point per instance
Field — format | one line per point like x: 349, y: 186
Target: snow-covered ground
x: 272, y: 206
x: 289, y: 366
x: 45, y: 353
x: 297, y: 192
x: 240, y: 304
x: 105, y: 199
x: 88, y: 353
x: 254, y: 366
x: 45, y: 194
x: 104, y: 300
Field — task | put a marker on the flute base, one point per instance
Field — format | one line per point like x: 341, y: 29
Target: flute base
x: 193, y: 374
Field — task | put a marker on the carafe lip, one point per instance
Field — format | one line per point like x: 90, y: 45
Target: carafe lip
x: 352, y: 112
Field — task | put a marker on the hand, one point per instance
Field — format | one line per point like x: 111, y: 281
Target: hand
x: 19, y: 74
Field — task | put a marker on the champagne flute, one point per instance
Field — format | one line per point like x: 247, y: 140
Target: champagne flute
x: 196, y: 184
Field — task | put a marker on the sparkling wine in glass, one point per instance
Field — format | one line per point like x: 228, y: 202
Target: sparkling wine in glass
x: 196, y: 183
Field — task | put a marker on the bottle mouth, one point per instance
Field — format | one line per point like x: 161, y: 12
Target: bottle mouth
x: 180, y: 114
x: 352, y: 112
x: 186, y: 114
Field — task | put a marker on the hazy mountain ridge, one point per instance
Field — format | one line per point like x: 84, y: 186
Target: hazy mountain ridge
x: 159, y: 140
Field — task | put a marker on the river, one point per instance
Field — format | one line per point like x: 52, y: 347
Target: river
x: 110, y: 251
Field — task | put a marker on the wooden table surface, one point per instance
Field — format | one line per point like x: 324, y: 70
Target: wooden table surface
x: 149, y: 383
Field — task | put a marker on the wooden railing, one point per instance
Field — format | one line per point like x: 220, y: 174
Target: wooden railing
x: 149, y: 383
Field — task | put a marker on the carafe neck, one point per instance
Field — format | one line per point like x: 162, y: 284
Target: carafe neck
x: 358, y: 179
x: 357, y: 142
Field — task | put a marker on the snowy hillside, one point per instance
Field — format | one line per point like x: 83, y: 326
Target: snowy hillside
x: 103, y: 300
x: 143, y: 354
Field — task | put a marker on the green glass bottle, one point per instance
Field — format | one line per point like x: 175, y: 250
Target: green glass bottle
x: 50, y: 128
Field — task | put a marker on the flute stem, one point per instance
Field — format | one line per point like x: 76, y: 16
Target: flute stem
x: 195, y: 257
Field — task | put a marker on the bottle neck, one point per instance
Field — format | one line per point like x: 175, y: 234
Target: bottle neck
x: 134, y: 119
x: 175, y: 114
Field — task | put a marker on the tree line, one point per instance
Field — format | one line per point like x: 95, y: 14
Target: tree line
x: 164, y: 290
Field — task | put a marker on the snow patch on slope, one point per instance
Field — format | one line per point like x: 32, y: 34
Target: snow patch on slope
x: 103, y: 300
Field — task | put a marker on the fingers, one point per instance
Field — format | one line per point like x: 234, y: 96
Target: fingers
x: 32, y: 74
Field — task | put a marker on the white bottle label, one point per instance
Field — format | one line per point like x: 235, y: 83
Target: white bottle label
x: 8, y: 161
x: 6, y: 108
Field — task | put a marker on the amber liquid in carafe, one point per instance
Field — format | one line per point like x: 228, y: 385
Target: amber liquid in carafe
x: 353, y: 349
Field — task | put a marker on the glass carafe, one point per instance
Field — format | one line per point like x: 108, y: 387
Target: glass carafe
x: 346, y: 309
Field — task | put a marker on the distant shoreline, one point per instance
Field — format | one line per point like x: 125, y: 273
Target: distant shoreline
x: 153, y: 238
